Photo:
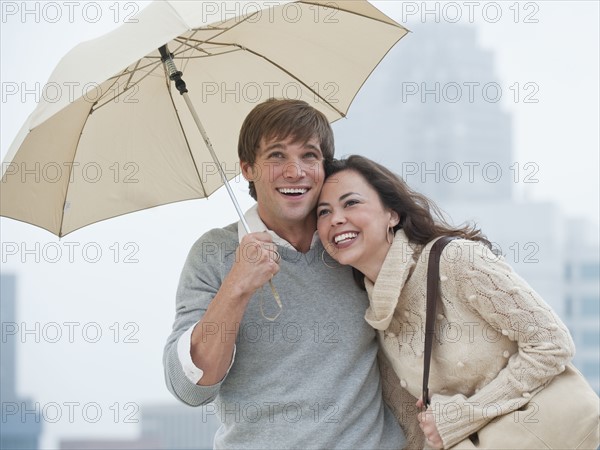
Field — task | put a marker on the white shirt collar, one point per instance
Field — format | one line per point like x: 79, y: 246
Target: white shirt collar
x: 256, y: 224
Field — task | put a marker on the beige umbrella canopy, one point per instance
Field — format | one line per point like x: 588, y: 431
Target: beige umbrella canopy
x: 121, y: 138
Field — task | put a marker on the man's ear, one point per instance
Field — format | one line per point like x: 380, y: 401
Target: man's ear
x: 247, y: 170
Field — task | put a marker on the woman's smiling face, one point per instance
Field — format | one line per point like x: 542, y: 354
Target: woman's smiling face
x: 352, y: 222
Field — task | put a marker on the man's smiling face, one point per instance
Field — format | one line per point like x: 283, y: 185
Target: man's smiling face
x: 288, y: 177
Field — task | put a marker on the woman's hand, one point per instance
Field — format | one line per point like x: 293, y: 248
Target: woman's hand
x: 427, y: 424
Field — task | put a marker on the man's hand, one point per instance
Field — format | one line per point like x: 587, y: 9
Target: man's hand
x: 256, y: 262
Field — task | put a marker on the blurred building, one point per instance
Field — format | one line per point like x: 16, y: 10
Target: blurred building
x: 165, y: 426
x: 21, y: 421
x: 433, y: 113
x: 582, y: 297
x: 107, y: 444
x: 178, y: 426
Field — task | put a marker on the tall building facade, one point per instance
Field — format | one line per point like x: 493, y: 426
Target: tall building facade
x: 180, y: 426
x: 21, y: 425
x: 433, y: 113
x: 164, y: 426
x: 582, y: 297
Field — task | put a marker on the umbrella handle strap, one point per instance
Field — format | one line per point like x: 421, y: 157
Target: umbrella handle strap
x: 277, y: 300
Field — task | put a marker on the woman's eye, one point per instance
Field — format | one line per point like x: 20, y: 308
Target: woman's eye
x: 322, y: 212
x: 351, y: 202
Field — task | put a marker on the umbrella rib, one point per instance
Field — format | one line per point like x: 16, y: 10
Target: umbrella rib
x: 62, y: 216
x: 224, y: 30
x: 181, y: 45
x: 116, y: 78
x: 187, y: 143
x: 150, y: 64
x: 184, y: 42
x: 193, y: 47
x: 206, y: 55
x: 210, y: 27
x: 95, y: 106
x: 209, y: 41
x: 293, y: 76
x: 137, y: 64
x: 239, y: 47
x: 108, y: 218
x: 154, y: 65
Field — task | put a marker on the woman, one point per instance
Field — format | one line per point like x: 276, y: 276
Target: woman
x: 497, y: 343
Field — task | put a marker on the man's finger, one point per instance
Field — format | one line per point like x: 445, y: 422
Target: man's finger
x: 262, y: 236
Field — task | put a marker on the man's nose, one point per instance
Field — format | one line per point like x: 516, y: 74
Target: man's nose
x: 293, y: 170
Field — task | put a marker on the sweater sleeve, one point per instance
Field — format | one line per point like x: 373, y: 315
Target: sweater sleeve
x: 402, y: 404
x: 199, y: 282
x: 491, y: 289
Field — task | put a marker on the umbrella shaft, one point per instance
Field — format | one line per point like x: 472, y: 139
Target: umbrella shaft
x: 216, y: 160
x: 233, y: 199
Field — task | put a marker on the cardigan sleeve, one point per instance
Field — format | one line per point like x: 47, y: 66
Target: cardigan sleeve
x: 491, y: 289
x: 402, y: 404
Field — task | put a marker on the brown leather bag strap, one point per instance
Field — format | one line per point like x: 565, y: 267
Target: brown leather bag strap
x: 433, y: 292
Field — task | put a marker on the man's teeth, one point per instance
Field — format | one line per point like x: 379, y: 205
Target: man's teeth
x: 344, y: 237
x: 293, y: 190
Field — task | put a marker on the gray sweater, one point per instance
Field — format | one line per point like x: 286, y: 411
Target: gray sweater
x: 309, y: 379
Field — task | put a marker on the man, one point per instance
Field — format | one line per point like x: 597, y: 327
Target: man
x: 302, y: 377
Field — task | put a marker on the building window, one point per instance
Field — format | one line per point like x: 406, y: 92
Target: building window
x: 568, y: 307
x: 568, y: 272
x: 591, y: 370
x: 590, y: 306
x: 590, y: 271
x: 590, y: 338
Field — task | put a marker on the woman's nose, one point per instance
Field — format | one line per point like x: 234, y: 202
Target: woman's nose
x: 337, y: 217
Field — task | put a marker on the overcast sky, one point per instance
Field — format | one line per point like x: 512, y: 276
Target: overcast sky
x: 128, y: 293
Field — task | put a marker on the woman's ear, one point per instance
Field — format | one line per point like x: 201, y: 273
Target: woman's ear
x: 394, y: 219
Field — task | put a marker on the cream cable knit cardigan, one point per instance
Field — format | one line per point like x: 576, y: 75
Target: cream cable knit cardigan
x: 497, y: 343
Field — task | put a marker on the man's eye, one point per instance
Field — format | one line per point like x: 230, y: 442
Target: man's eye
x: 276, y: 155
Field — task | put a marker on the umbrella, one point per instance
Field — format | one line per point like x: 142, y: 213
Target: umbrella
x: 120, y: 138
